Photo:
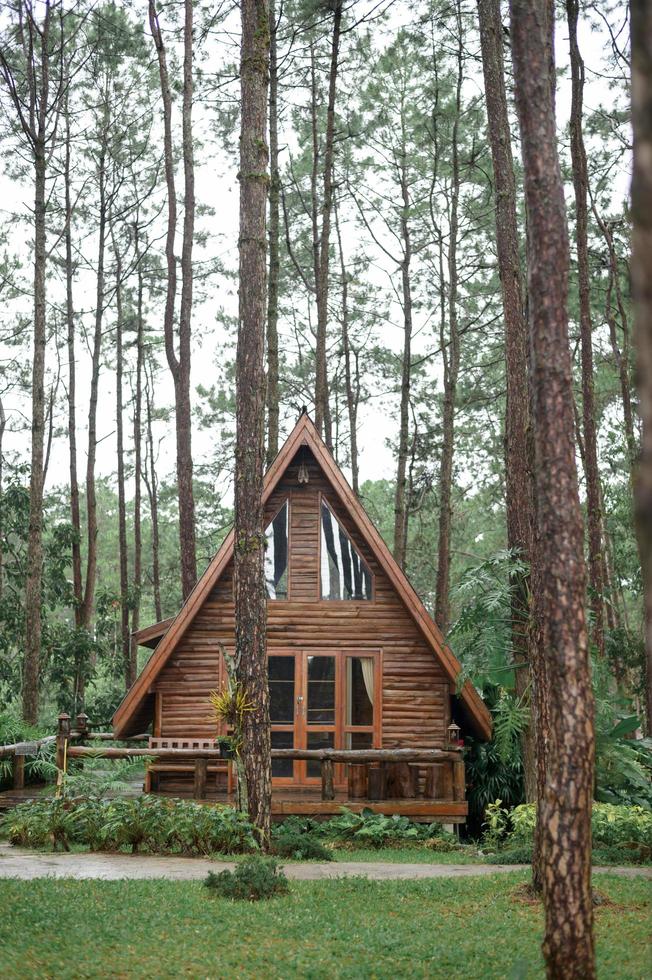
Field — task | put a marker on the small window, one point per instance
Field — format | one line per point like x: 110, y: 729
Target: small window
x: 276, y: 555
x: 344, y: 574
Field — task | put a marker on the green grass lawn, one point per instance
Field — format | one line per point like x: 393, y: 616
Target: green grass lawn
x: 348, y: 928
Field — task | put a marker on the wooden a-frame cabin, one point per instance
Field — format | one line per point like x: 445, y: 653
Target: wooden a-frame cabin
x: 355, y: 660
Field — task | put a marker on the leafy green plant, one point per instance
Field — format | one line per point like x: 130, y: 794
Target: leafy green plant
x: 443, y: 842
x: 197, y: 829
x: 39, y: 823
x: 374, y: 830
x: 290, y: 843
x: 136, y: 823
x: 624, y: 827
x: 516, y: 854
x: 94, y: 780
x: 39, y: 767
x: 255, y: 879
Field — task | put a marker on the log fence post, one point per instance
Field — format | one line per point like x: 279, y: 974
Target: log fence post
x: 82, y: 726
x: 201, y: 769
x: 459, y: 782
x: 327, y: 788
x: 63, y: 734
x: 19, y: 772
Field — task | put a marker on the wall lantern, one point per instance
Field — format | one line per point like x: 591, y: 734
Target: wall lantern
x: 454, y: 734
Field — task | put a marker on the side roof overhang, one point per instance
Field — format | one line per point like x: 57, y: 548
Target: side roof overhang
x: 166, y: 635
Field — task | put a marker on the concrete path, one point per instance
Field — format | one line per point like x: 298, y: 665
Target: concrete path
x: 18, y: 863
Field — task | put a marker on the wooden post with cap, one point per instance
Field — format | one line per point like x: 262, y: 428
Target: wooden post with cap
x: 63, y: 734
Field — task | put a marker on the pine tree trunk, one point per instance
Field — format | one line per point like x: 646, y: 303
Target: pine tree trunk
x: 91, y: 498
x: 123, y: 558
x: 580, y: 184
x: 621, y: 356
x: 182, y: 376
x: 518, y: 477
x: 400, y: 496
x: 179, y: 366
x: 249, y: 581
x: 322, y: 412
x: 151, y: 483
x: 641, y: 27
x: 564, y: 812
x: 451, y: 361
x: 274, y: 262
x: 138, y: 461
x: 3, y: 423
x: 33, y: 624
x: 75, y: 515
x: 352, y: 389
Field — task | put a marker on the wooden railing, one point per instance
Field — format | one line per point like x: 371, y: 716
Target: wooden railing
x: 371, y: 773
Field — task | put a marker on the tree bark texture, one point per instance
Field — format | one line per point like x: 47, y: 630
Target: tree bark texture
x: 180, y: 365
x: 518, y: 474
x: 123, y: 557
x: 322, y: 413
x: 75, y: 514
x: 33, y: 622
x: 274, y: 260
x: 580, y: 185
x: 401, y: 493
x: 132, y: 671
x: 564, y: 813
x: 249, y: 579
x: 91, y: 496
x: 451, y: 362
x: 641, y: 28
x: 151, y: 483
x: 36, y: 44
x: 352, y: 386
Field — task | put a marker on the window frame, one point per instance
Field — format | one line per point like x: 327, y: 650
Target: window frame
x: 372, y: 596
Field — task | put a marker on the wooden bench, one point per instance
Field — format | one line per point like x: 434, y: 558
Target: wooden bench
x: 200, y: 767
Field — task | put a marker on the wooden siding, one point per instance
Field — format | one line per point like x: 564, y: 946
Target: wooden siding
x: 415, y: 695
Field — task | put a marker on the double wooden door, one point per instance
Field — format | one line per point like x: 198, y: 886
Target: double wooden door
x: 322, y: 699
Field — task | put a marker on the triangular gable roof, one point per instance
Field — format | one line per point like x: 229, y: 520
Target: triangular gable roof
x: 171, y: 631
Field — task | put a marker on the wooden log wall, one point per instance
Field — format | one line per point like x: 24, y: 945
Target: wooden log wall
x: 415, y: 689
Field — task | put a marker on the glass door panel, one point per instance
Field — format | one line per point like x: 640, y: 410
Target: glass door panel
x: 282, y: 768
x: 281, y: 672
x: 320, y: 694
x: 320, y: 676
x: 360, y: 691
x: 283, y: 685
x: 318, y: 740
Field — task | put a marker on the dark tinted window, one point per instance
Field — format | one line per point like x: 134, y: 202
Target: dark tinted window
x: 276, y: 555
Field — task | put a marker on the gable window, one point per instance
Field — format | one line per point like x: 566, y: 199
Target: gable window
x: 343, y: 573
x: 276, y: 555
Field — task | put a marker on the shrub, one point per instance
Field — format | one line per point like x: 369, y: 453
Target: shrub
x: 199, y: 829
x: 374, y: 830
x: 38, y: 768
x: 302, y: 846
x: 516, y: 854
x: 443, y: 842
x: 254, y: 879
x: 38, y: 823
x: 138, y: 823
x: 612, y: 826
